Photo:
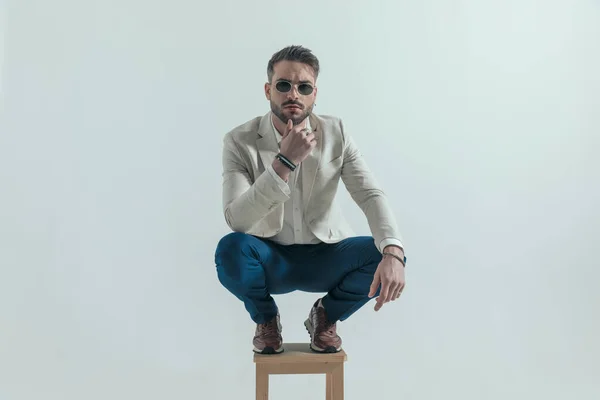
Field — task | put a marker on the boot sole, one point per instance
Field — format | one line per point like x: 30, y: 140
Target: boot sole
x: 268, y: 350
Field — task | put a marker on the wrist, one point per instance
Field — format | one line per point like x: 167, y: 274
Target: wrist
x: 394, y: 250
x: 400, y: 259
x: 286, y: 161
x: 281, y: 170
x: 287, y: 158
x: 396, y: 253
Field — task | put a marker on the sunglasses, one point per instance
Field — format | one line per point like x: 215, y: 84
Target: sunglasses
x: 285, y: 86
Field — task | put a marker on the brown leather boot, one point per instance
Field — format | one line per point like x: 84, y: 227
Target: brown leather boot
x: 323, y: 335
x: 267, y: 338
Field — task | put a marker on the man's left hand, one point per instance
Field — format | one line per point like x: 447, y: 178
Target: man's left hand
x: 390, y: 275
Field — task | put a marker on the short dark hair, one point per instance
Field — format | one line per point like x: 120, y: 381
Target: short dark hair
x: 293, y: 53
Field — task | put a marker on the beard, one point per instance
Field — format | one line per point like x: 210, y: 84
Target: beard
x: 296, y: 118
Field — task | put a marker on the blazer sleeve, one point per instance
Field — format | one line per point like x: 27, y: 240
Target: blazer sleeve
x: 368, y: 195
x: 245, y: 202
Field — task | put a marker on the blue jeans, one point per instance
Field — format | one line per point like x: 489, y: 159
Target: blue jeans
x: 253, y: 269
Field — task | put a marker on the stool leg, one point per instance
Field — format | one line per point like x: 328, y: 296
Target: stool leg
x: 335, y: 383
x: 262, y: 383
x: 329, y: 386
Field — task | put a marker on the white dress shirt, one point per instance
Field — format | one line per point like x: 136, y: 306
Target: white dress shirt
x: 295, y: 230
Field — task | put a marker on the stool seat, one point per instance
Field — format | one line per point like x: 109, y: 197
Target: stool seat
x: 298, y: 358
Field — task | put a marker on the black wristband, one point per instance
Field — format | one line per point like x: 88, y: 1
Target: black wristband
x: 285, y: 161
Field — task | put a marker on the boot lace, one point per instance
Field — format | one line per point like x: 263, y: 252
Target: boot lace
x: 269, y: 328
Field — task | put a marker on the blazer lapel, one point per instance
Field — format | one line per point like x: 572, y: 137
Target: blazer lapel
x: 266, y: 144
x: 311, y: 164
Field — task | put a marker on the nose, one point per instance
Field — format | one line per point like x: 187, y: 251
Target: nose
x: 293, y: 93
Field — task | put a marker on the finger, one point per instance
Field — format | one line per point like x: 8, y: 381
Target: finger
x: 374, y: 285
x: 383, y: 294
x: 391, y: 293
x: 378, y: 306
x: 299, y: 130
x: 310, y: 137
x: 397, y: 293
x: 402, y: 287
x: 379, y: 302
x: 288, y: 128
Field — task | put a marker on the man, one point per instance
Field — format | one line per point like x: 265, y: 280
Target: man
x: 281, y: 172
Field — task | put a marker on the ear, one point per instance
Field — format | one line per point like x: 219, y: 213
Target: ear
x: 268, y: 91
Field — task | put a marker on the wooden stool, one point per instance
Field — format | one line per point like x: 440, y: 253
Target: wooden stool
x: 298, y: 358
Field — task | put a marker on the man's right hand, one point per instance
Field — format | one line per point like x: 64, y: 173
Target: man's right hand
x: 297, y: 143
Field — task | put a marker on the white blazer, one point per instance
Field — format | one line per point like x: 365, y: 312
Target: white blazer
x: 252, y: 201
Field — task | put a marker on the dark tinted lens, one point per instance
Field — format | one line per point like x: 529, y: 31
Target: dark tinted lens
x: 283, y: 86
x: 305, y: 89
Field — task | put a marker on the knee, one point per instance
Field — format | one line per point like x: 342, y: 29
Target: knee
x: 230, y: 253
x: 232, y: 243
x: 371, y: 256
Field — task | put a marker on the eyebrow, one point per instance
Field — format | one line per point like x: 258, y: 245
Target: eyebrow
x: 289, y: 80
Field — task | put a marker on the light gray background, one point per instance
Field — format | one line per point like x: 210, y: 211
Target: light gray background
x: 480, y: 118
